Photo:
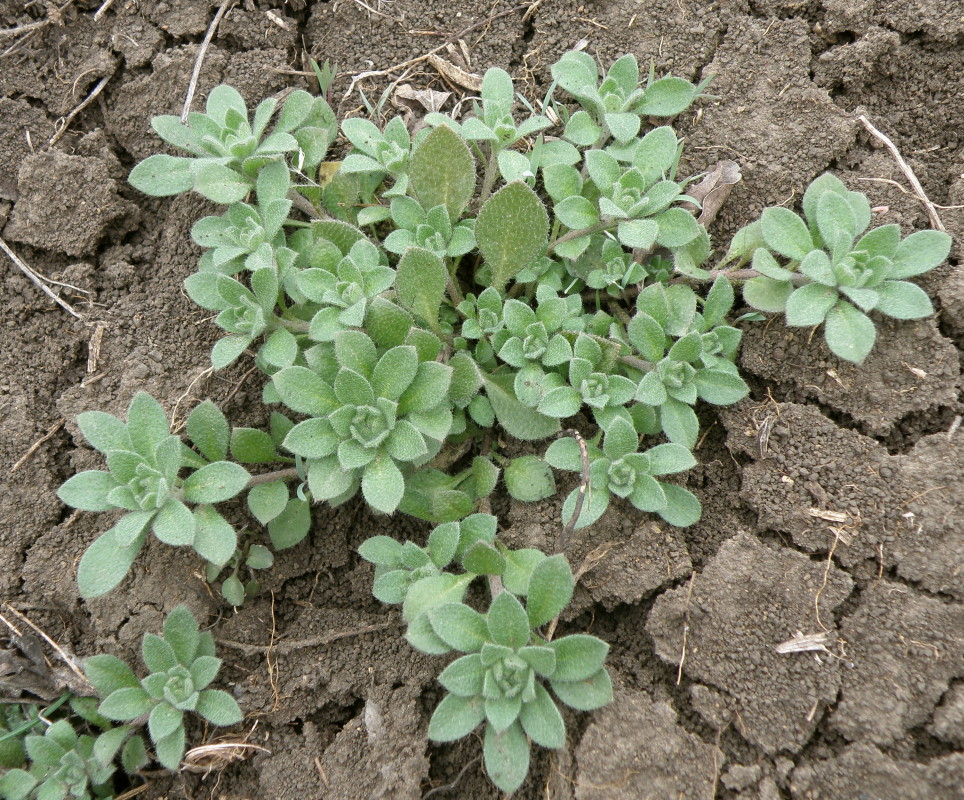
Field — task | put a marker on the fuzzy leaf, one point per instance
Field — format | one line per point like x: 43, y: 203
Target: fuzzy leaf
x: 252, y: 446
x: 517, y: 420
x: 434, y: 591
x: 919, y: 253
x: 442, y: 171
x: 105, y: 563
x: 162, y: 175
x: 174, y: 523
x: 104, y: 431
x: 125, y: 704
x: 267, y: 500
x: 549, y: 590
x: 305, y: 392
x: 903, y: 300
x: 542, y: 721
x: 518, y: 569
x: 483, y: 559
x: 291, y: 525
x: 506, y: 756
x: 218, y: 707
x: 682, y: 509
x: 666, y: 97
x: 459, y: 626
x: 809, y: 304
x: 421, y: 282
x: 528, y: 478
x: 464, y: 676
x: 578, y: 656
x: 508, y: 622
x: 88, y: 490
x: 209, y: 431
x: 511, y: 231
x: 785, y: 233
x: 214, y: 538
x: 216, y: 482
x: 767, y: 294
x: 850, y: 333
x: 587, y: 694
x: 108, y: 673
x: 455, y: 717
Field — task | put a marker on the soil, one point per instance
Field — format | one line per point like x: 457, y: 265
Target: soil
x: 833, y: 495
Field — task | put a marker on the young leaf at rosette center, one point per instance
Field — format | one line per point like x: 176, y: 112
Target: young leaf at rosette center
x: 442, y: 171
x: 506, y: 756
x: 550, y: 589
x: 529, y: 478
x: 420, y: 283
x: 512, y: 230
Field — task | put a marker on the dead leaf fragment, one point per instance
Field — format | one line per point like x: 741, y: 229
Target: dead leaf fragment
x: 457, y: 75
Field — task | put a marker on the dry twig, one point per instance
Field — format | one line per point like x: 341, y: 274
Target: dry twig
x: 84, y: 103
x: 283, y: 648
x: 929, y: 207
x: 69, y: 660
x: 36, y: 279
x: 36, y: 446
x: 419, y: 59
x: 583, y: 488
x: 192, y: 86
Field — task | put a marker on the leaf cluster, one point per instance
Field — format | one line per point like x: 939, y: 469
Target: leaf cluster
x: 76, y: 757
x: 182, y: 665
x: 506, y: 663
x: 834, y: 271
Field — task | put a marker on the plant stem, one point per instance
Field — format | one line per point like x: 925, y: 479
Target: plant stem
x: 304, y: 205
x: 489, y: 178
x: 578, y: 234
x: 270, y: 477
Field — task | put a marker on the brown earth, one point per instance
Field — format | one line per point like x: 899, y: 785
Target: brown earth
x: 847, y: 521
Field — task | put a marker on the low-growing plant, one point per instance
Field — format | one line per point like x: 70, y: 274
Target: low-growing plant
x: 76, y: 757
x: 500, y: 680
x: 408, y: 302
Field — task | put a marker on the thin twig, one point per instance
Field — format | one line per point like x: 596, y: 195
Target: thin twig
x: 6, y: 33
x: 192, y: 86
x: 103, y: 9
x: 37, y: 281
x: 588, y: 563
x: 284, y: 648
x: 36, y: 446
x: 902, y: 190
x: 70, y: 661
x: 583, y: 488
x: 84, y: 103
x: 412, y: 61
x: 686, y: 629
x: 458, y: 779
x: 908, y: 173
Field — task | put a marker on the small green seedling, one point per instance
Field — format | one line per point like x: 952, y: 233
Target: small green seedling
x: 833, y: 277
x: 182, y: 665
x: 76, y: 757
x: 507, y: 662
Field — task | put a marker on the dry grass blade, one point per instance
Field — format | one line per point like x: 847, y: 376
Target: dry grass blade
x: 192, y: 86
x: 69, y: 660
x: 36, y: 445
x: 86, y: 102
x: 36, y: 279
x: 929, y: 207
x: 207, y: 758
